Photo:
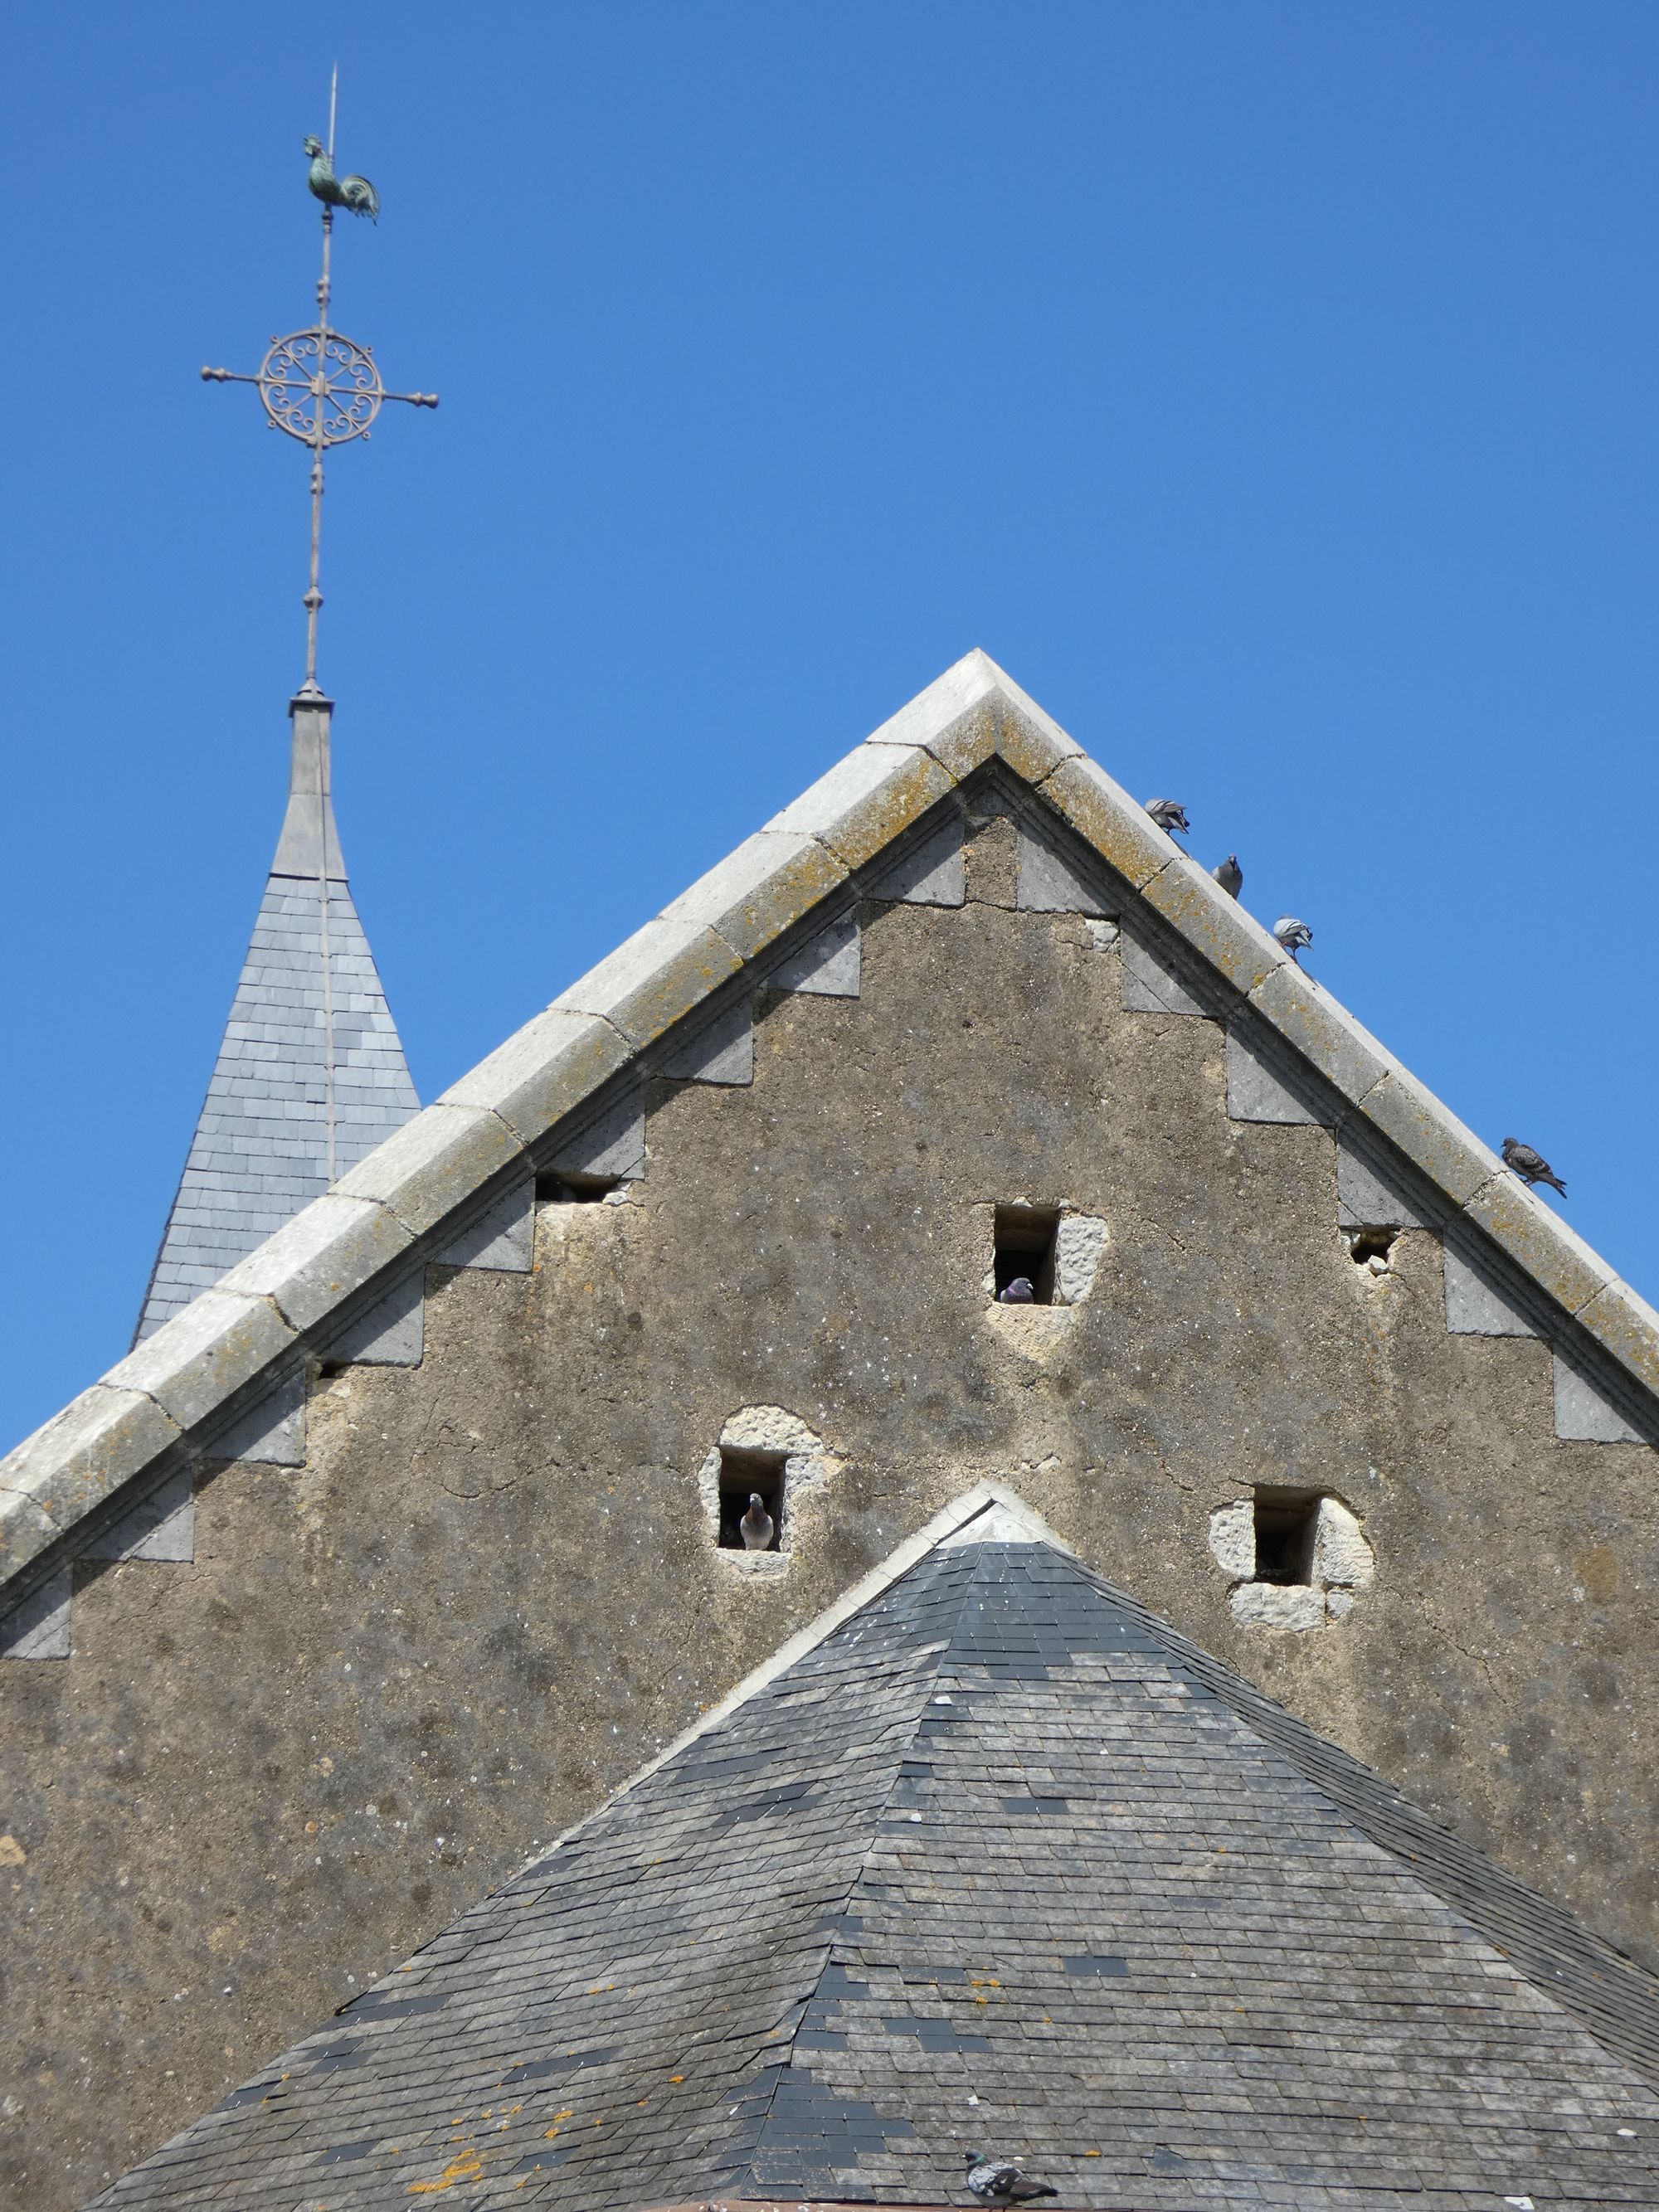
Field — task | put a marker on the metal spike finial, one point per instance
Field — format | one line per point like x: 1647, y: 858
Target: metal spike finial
x: 318, y: 384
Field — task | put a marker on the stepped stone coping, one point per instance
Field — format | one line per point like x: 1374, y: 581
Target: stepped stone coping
x: 492, y: 1118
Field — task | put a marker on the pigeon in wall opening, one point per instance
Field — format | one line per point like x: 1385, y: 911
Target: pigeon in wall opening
x: 1532, y: 1167
x: 1017, y: 1292
x: 997, y: 2181
x: 755, y: 1524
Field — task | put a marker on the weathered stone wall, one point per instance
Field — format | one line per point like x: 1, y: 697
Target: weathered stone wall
x: 491, y: 1591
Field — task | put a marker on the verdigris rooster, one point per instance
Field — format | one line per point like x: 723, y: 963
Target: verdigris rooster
x: 355, y: 193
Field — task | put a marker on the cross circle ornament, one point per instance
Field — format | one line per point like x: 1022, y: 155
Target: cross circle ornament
x: 320, y: 386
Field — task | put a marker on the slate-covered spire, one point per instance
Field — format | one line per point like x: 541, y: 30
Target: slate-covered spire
x: 311, y: 1074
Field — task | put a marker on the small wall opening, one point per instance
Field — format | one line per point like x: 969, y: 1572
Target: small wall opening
x: 1025, y: 1248
x: 574, y: 1189
x: 1286, y: 1524
x: 1369, y: 1247
x: 744, y: 1475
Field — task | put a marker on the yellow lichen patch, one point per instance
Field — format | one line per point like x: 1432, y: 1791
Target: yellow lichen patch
x: 467, y: 2167
x: 12, y: 1852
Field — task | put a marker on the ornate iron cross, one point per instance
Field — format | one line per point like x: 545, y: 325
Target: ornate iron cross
x: 318, y: 384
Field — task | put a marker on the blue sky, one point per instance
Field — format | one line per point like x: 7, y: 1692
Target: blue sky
x: 1270, y: 388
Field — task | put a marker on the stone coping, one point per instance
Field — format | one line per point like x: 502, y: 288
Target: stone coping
x: 175, y: 1384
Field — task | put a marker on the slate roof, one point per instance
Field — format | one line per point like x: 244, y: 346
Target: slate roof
x: 783, y: 903
x: 1000, y: 1861
x: 311, y: 1075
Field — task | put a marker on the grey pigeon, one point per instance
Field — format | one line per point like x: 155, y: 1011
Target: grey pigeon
x: 1229, y: 876
x: 1018, y: 1292
x: 1168, y: 814
x: 1532, y: 1167
x: 755, y: 1524
x: 1295, y: 936
x: 996, y: 2181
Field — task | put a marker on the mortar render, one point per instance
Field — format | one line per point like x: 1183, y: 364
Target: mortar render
x: 490, y: 1593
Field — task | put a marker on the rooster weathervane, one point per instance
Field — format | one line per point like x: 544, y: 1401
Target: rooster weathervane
x: 318, y: 384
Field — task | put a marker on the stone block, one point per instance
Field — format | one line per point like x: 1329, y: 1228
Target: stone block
x: 826, y: 966
x: 1049, y: 882
x: 932, y: 873
x: 434, y: 1162
x: 1102, y: 812
x: 652, y: 978
x: 1277, y: 1605
x: 613, y: 1143
x: 1523, y: 1226
x: 1583, y: 1414
x: 1079, y: 1242
x: 332, y: 1249
x: 1476, y: 1304
x: 1258, y: 1092
x: 271, y: 1432
x: 391, y: 1333
x: 1368, y: 1197
x: 1341, y: 1554
x: 753, y: 895
x: 719, y: 1051
x: 1346, y: 1054
x: 1430, y: 1136
x: 955, y: 719
x: 543, y: 1072
x: 502, y: 1239
x: 38, y: 1627
x: 1151, y: 986
x: 101, y: 1440
x: 1202, y: 916
x: 219, y: 1342
x: 1623, y: 1324
x: 1232, y: 1538
x: 161, y: 1527
x: 1031, y: 742
x: 866, y: 799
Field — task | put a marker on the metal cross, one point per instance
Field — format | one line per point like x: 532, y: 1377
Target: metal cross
x: 323, y: 389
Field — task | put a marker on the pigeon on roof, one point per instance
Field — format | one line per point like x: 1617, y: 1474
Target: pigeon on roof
x: 998, y: 2181
x: 1532, y: 1167
x: 756, y: 1524
x: 1295, y: 936
x: 1229, y: 876
x: 1168, y: 814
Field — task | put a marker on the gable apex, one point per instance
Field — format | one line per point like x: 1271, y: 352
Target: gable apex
x: 200, y: 1373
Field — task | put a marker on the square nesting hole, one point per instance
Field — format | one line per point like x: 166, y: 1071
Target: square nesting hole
x: 1024, y: 1252
x: 574, y: 1189
x: 1286, y: 1522
x: 743, y: 1476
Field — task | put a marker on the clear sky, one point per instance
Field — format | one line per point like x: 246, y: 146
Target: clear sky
x: 1270, y: 388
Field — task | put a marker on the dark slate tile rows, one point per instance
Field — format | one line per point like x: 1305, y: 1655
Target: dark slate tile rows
x: 1002, y: 1861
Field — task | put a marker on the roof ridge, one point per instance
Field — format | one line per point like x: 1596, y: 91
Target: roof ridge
x: 168, y: 1402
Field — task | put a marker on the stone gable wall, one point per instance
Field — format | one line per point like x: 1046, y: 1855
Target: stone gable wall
x: 490, y: 1591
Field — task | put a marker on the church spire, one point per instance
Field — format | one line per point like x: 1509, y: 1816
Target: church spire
x: 311, y: 1073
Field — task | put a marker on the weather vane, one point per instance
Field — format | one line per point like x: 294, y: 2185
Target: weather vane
x: 319, y: 386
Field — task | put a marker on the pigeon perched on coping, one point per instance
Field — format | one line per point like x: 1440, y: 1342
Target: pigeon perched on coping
x: 1531, y: 1167
x: 996, y: 2181
x: 1168, y: 814
x: 1018, y: 1292
x: 755, y: 1524
x: 1295, y: 936
x: 1229, y: 876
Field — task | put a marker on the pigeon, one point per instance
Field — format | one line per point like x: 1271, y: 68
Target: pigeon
x: 1295, y: 936
x: 996, y: 2181
x: 755, y: 1524
x: 1018, y: 1292
x: 1168, y: 814
x: 1531, y: 1167
x: 1229, y: 876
